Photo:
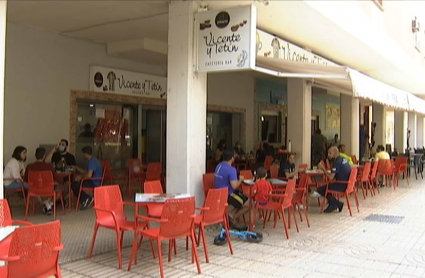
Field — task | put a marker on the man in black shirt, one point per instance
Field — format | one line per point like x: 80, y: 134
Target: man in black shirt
x: 59, y: 152
x: 287, y: 168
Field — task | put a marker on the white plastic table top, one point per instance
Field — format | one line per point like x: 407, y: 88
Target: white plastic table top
x: 272, y: 181
x: 6, y: 231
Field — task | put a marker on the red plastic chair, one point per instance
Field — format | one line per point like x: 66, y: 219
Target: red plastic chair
x: 153, y: 171
x: 34, y: 252
x: 386, y: 170
x: 177, y: 221
x: 299, y: 201
x: 208, y: 182
x: 213, y: 212
x: 364, y: 180
x: 151, y: 187
x: 401, y: 167
x: 107, y: 168
x: 302, y: 167
x: 268, y: 162
x: 285, y: 202
x: 109, y: 208
x: 247, y: 174
x: 351, y: 184
x: 328, y: 165
x: 88, y: 189
x: 42, y: 184
x: 274, y: 171
x: 6, y: 220
x: 373, y: 176
x: 8, y: 191
x: 136, y: 175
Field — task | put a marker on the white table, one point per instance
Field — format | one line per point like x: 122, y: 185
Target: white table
x: 157, y: 198
x: 272, y: 181
x: 6, y: 231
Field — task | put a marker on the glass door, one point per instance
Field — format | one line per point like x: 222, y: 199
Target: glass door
x: 154, y: 127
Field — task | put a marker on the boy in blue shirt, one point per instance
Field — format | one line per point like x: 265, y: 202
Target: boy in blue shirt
x: 93, y: 170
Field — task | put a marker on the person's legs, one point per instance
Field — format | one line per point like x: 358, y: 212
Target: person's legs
x: 242, y: 210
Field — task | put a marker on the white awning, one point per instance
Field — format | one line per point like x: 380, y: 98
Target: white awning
x: 344, y: 80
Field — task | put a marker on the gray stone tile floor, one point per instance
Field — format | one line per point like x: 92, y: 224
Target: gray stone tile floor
x: 336, y: 245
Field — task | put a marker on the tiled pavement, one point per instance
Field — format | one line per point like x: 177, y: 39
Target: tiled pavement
x: 336, y: 245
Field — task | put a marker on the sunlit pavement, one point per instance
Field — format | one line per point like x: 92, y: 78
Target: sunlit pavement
x: 336, y: 245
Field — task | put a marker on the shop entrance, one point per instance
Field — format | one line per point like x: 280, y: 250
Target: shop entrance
x: 154, y: 130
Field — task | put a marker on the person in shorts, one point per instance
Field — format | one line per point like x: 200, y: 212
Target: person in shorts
x: 262, y: 189
x: 226, y: 177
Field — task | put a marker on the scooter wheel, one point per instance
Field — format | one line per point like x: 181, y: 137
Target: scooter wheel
x: 220, y: 240
x: 254, y: 238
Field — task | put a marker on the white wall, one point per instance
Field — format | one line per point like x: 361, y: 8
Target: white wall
x: 234, y: 90
x: 41, y: 69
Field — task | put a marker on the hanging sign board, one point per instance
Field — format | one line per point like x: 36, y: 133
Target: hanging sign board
x: 226, y: 39
x: 108, y: 80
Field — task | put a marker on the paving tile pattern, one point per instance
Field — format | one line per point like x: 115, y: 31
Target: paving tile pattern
x: 336, y: 245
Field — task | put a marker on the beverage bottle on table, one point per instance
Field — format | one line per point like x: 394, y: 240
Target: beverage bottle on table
x: 63, y: 164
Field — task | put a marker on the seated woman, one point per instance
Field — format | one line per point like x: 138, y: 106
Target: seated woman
x: 14, y: 170
x: 239, y: 152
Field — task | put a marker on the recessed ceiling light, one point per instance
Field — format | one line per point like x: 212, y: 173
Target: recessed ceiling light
x: 91, y: 105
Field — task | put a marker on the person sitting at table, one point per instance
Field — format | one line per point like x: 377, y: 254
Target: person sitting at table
x: 287, y: 168
x: 381, y: 153
x: 93, y: 170
x: 262, y: 189
x: 341, y: 171
x: 394, y: 153
x: 218, y: 155
x: 15, y: 170
x: 226, y: 177
x: 239, y: 152
x: 60, y: 152
x: 341, y: 149
x: 41, y: 165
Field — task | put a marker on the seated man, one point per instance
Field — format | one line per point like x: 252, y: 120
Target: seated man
x: 40, y: 165
x: 287, y: 168
x: 56, y: 155
x: 226, y: 177
x: 341, y: 171
x: 239, y: 152
x: 341, y: 149
x: 93, y: 170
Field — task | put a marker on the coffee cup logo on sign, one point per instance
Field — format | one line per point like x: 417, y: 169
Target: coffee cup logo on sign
x: 222, y: 19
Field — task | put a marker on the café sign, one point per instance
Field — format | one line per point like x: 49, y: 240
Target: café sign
x: 268, y: 45
x: 226, y: 39
x: 108, y: 80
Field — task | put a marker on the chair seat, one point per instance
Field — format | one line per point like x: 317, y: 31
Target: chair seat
x: 123, y: 223
x: 271, y: 206
x: 150, y: 233
x: 4, y: 247
x: 198, y: 219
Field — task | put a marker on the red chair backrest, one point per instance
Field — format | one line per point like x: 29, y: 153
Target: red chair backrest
x: 268, y: 162
x: 108, y: 198
x: 246, y: 174
x: 400, y: 163
x: 107, y: 169
x: 153, y: 187
x: 290, y: 190
x: 352, y: 180
x: 208, y: 182
x: 211, y: 166
x: 366, y: 171
x: 35, y: 247
x: 374, y: 170
x: 5, y: 214
x: 41, y: 183
x: 302, y: 167
x: 303, y: 180
x: 154, y: 171
x: 385, y: 167
x: 216, y: 201
x: 179, y: 214
x: 354, y: 159
x: 274, y: 171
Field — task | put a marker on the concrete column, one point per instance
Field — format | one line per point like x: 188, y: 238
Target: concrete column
x: 400, y: 130
x: 3, y: 9
x: 186, y: 105
x: 350, y: 124
x: 299, y: 118
x: 379, y: 117
x: 412, y: 124
x: 420, y: 131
